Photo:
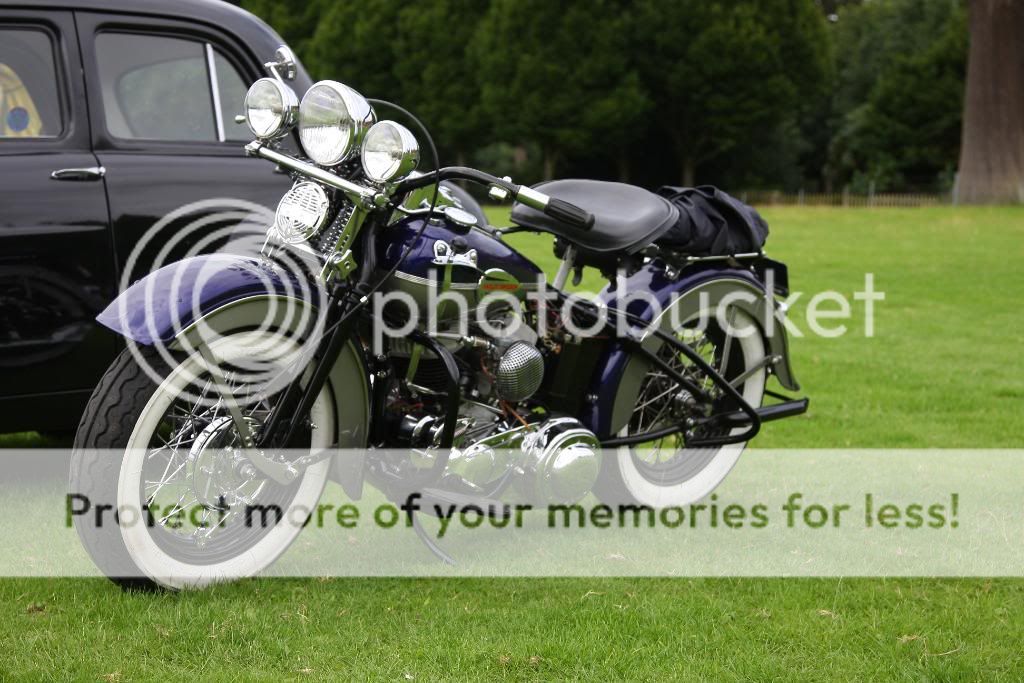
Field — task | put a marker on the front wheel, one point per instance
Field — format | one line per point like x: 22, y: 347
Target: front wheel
x: 665, y: 472
x: 157, y: 444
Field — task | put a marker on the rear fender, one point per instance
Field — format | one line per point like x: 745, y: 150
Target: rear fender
x: 616, y: 383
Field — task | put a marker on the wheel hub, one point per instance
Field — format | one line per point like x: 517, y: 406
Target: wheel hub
x: 217, y: 470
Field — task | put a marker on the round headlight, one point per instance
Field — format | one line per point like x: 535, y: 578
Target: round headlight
x: 390, y: 152
x: 332, y: 120
x: 270, y: 108
x: 301, y: 212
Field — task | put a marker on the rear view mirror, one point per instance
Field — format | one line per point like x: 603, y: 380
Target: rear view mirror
x: 283, y: 67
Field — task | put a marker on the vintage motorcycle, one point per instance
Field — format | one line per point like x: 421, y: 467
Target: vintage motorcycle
x: 255, y: 379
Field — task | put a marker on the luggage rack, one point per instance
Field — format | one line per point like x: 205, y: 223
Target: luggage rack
x: 757, y: 261
x: 677, y: 257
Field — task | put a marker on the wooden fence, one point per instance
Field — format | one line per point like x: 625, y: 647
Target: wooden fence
x: 775, y: 198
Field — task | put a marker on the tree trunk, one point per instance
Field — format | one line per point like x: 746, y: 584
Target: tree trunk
x: 623, y: 164
x: 549, y: 166
x: 992, y: 141
x: 689, y: 169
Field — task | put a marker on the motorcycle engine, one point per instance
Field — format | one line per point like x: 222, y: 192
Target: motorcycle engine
x: 562, y: 461
x: 519, y: 373
x: 559, y: 460
x: 555, y: 459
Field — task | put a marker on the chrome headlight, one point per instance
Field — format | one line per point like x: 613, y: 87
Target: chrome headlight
x: 390, y: 152
x: 301, y: 212
x: 332, y: 120
x: 271, y: 108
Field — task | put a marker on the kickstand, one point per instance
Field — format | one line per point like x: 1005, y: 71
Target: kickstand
x: 428, y: 541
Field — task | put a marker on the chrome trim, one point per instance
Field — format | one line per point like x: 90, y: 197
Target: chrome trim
x: 211, y: 71
x: 416, y: 279
x: 410, y: 152
x: 355, y: 192
x: 88, y: 173
x: 283, y: 68
x: 562, y: 276
x: 532, y: 198
x: 305, y: 197
x: 444, y: 254
x: 459, y: 216
x: 726, y: 257
x: 289, y: 106
x: 358, y: 110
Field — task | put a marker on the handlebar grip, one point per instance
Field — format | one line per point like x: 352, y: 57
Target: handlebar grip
x: 569, y: 213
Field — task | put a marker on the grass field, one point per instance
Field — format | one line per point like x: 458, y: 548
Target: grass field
x: 943, y: 370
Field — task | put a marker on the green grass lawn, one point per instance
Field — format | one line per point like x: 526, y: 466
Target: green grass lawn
x: 943, y: 370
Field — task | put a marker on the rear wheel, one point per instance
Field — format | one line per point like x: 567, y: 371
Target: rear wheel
x: 166, y: 455
x: 665, y: 472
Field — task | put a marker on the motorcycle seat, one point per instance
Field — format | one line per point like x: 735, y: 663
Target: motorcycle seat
x: 626, y: 218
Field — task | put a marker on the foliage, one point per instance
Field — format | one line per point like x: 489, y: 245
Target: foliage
x: 431, y: 64
x: 354, y: 43
x: 294, y: 20
x: 717, y: 73
x: 752, y: 93
x: 558, y: 75
x: 899, y: 98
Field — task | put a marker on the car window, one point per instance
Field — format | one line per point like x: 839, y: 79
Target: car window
x: 164, y: 88
x: 29, y: 99
x: 231, y: 89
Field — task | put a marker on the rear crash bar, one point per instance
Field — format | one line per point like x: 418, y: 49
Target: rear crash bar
x: 776, y: 411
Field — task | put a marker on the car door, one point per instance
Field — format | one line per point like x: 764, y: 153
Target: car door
x: 164, y: 95
x: 56, y: 256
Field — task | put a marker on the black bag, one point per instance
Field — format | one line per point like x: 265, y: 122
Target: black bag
x: 712, y: 223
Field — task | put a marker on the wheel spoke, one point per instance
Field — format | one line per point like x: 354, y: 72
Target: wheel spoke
x: 656, y: 405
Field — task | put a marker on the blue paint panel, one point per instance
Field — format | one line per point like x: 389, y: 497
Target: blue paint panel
x: 491, y: 252
x: 610, y: 367
x: 157, y: 306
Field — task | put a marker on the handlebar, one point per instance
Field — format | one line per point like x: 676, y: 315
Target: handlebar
x: 556, y: 208
x: 560, y: 210
x: 569, y: 213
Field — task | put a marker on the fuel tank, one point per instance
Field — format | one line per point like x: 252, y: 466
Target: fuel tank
x: 480, y: 264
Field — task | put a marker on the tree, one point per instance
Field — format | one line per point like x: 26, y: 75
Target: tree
x: 992, y: 147
x: 294, y: 20
x: 898, y: 100
x: 557, y: 74
x: 439, y: 80
x: 907, y: 133
x: 719, y: 73
x: 354, y: 42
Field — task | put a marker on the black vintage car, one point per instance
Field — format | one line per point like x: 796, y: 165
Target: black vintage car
x: 113, y: 113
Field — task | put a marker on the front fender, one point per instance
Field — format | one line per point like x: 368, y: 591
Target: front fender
x: 616, y: 383
x: 179, y: 304
x: 161, y: 305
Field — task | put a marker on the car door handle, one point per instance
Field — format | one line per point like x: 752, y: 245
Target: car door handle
x: 89, y: 173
